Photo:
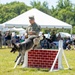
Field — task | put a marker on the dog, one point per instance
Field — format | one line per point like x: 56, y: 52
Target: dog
x: 30, y: 43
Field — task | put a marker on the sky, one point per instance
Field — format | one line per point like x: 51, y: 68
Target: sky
x: 27, y: 2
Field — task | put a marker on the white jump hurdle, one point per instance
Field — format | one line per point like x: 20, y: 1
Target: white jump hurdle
x: 58, y: 57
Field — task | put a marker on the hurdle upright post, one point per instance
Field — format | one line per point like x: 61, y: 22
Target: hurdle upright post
x: 60, y: 66
x: 25, y: 64
x: 58, y: 56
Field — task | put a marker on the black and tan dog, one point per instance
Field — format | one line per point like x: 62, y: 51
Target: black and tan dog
x: 27, y: 45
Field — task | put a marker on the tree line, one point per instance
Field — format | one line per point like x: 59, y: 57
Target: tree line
x: 64, y: 10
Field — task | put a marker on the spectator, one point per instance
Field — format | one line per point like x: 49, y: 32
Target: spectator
x: 53, y: 36
x: 59, y: 37
x: 8, y: 39
x: 68, y: 43
x: 44, y: 43
x: 0, y: 40
x: 23, y: 38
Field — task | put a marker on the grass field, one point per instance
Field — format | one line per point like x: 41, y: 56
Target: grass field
x: 7, y: 64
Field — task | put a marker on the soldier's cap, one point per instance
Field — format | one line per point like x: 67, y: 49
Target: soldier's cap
x: 31, y: 17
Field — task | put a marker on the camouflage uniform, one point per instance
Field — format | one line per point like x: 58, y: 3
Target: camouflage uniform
x: 34, y: 27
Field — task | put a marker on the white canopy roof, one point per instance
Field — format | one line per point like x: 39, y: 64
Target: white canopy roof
x: 17, y: 29
x: 5, y: 29
x: 1, y: 27
x: 41, y: 19
x: 64, y: 34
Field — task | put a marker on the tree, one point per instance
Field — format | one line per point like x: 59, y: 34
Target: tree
x: 60, y: 4
x: 64, y: 11
x: 11, y: 10
x: 41, y: 6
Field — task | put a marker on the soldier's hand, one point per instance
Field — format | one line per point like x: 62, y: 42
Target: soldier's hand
x: 32, y: 33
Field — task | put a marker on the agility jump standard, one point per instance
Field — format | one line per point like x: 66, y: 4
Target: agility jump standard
x: 45, y: 58
x: 59, y: 57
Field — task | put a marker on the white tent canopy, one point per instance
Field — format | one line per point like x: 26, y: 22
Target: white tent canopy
x: 1, y: 27
x: 5, y: 29
x: 64, y: 34
x: 41, y: 19
x: 17, y: 29
x: 20, y: 29
x: 12, y: 29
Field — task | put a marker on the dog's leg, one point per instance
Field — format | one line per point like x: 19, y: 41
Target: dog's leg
x: 17, y: 62
x: 18, y: 56
x: 22, y: 56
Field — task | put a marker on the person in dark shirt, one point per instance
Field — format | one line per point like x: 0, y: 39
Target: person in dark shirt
x: 8, y: 39
x: 53, y: 36
x: 44, y: 43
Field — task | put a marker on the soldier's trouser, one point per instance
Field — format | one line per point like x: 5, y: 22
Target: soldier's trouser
x: 35, y: 41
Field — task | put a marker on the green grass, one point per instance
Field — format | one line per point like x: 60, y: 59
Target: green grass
x: 7, y: 64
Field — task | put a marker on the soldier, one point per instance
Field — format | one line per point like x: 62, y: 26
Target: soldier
x: 33, y: 29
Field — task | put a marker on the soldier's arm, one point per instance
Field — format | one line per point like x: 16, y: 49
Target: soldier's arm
x: 37, y: 29
x: 32, y: 31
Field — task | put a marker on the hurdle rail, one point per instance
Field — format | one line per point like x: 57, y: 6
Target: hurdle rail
x: 45, y: 58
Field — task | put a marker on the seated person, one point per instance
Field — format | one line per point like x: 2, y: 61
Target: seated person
x: 68, y: 47
x: 68, y: 43
x: 53, y: 36
x: 44, y: 43
x: 52, y: 44
x: 17, y: 39
x: 59, y: 37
